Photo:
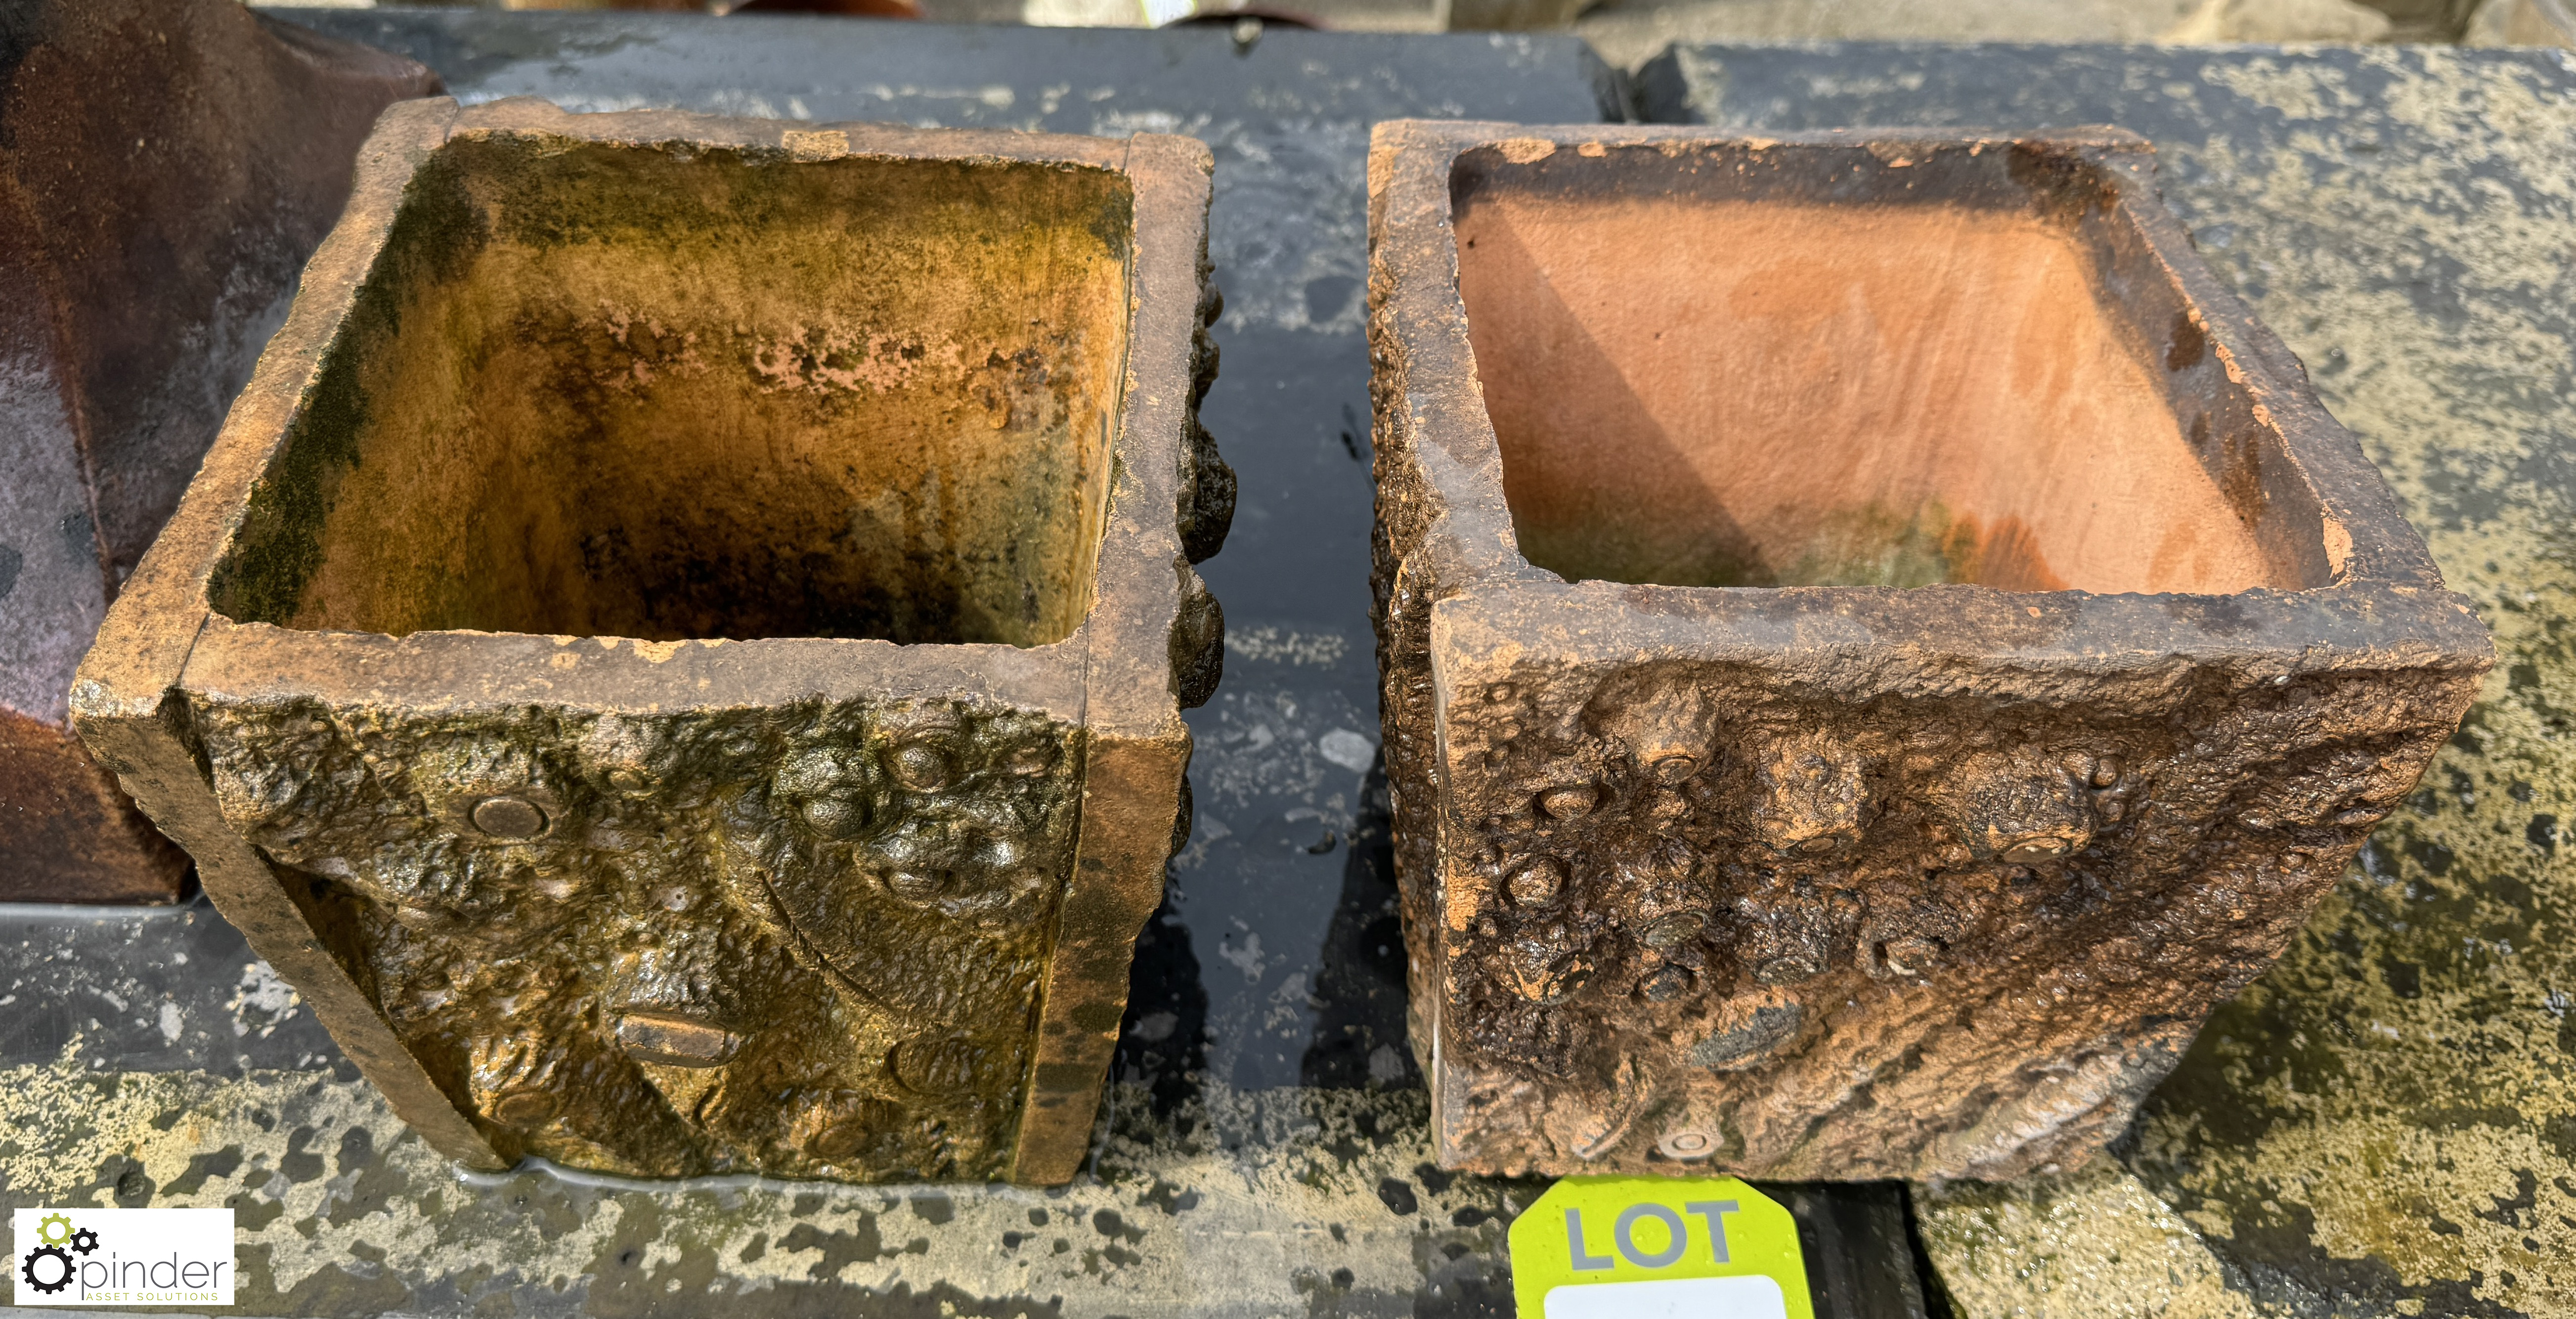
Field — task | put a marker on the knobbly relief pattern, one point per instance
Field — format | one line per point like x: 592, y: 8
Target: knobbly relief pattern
x: 1696, y: 914
x: 804, y: 941
x: 1838, y: 880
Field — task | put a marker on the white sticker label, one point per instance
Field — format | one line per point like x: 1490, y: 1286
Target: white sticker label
x: 1753, y: 1297
x: 94, y: 1257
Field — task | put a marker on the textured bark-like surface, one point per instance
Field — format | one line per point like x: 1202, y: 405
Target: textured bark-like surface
x: 165, y: 168
x: 2073, y: 649
x: 691, y: 625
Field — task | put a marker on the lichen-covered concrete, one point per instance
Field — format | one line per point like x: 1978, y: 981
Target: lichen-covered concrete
x: 2399, y: 1096
x: 2007, y: 1248
x: 2386, y: 1123
x: 1311, y: 1201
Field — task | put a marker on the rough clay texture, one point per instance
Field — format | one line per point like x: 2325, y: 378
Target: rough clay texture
x: 830, y: 972
x: 165, y: 168
x: 804, y: 905
x: 1852, y: 881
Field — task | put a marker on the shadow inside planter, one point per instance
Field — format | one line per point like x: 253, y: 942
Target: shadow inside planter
x: 1789, y: 368
x: 641, y: 391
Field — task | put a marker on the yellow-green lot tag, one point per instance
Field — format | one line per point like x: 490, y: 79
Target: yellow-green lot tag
x: 1658, y: 1248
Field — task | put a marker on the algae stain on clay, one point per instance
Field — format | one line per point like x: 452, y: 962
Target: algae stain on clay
x: 1874, y: 545
x: 2400, y: 1091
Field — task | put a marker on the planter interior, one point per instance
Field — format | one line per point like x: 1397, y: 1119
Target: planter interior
x: 610, y: 392
x: 1711, y: 377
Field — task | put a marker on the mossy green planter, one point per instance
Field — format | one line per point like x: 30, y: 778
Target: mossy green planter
x: 679, y: 654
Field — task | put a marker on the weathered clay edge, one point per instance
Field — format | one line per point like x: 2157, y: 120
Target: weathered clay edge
x: 1136, y: 748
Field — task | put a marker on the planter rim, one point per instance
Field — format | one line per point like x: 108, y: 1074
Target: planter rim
x: 454, y: 671
x: 2384, y: 582
x: 2353, y: 626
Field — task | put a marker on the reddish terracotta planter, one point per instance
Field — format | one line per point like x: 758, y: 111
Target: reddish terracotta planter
x: 1877, y: 643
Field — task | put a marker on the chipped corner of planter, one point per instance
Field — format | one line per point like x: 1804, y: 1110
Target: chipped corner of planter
x: 633, y: 766
x: 1877, y: 642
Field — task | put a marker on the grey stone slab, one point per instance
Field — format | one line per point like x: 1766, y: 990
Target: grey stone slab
x: 164, y: 989
x: 2385, y: 1124
x: 1288, y: 118
x: 1627, y: 33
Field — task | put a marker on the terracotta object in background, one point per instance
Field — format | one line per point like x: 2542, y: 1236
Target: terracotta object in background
x: 698, y: 614
x: 2523, y: 23
x: 2072, y: 648
x: 851, y: 8
x: 1510, y: 15
x: 165, y: 167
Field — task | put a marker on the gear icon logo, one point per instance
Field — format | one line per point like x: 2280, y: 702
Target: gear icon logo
x: 44, y: 1261
x: 49, y: 1268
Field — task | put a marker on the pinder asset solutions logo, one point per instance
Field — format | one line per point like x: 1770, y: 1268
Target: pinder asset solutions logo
x: 94, y: 1257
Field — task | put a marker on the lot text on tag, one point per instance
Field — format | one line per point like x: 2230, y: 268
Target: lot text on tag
x: 1652, y: 1247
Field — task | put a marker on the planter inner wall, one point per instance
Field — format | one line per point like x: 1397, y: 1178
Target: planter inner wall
x: 665, y: 394
x: 1719, y: 368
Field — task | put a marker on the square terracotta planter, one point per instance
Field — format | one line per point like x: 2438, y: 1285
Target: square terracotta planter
x: 1877, y: 643
x: 679, y: 652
